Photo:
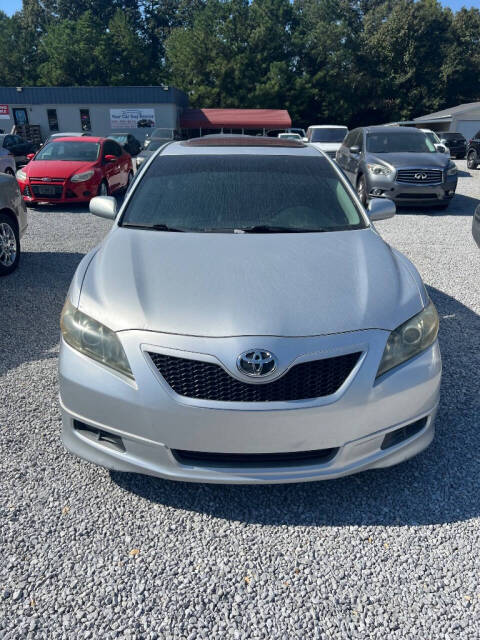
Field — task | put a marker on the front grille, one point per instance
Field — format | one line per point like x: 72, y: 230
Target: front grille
x: 432, y: 176
x: 208, y: 381
x: 239, y: 460
x: 47, y: 191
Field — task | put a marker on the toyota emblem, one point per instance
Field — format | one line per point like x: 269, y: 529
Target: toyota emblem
x: 420, y: 176
x: 256, y: 362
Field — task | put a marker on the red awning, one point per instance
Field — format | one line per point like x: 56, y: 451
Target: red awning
x: 235, y: 119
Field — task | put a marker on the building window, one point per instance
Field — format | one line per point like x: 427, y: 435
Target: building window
x: 52, y: 119
x: 85, y: 119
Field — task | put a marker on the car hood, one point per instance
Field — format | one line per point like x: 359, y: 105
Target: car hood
x: 56, y: 169
x: 249, y: 284
x: 326, y: 146
x: 420, y: 160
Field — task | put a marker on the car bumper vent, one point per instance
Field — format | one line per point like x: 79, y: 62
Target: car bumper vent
x: 400, y: 435
x: 239, y: 460
x: 109, y: 440
x: 208, y: 381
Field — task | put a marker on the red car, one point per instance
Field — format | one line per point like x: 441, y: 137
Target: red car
x: 75, y: 170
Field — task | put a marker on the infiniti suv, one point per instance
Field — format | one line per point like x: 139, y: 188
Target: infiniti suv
x: 400, y: 163
x: 244, y: 322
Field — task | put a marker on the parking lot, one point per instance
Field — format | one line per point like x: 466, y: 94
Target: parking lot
x: 88, y: 553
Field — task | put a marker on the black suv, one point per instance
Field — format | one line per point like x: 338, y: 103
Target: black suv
x: 455, y: 142
x: 473, y: 151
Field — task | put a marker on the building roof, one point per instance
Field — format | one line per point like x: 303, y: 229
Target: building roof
x: 235, y: 118
x: 448, y: 113
x: 92, y: 95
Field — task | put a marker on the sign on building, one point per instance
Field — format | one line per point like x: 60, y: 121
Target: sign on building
x: 4, y: 112
x: 132, y: 118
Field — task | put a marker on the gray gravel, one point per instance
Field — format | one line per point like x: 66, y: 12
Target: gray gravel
x: 85, y: 553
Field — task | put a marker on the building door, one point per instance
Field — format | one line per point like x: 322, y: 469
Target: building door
x: 20, y: 116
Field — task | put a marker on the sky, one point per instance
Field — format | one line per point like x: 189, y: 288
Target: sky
x: 10, y: 6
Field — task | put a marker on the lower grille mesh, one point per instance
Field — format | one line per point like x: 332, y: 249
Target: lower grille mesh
x: 208, y: 381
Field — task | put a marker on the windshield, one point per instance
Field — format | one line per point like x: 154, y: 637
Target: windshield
x: 289, y: 136
x: 154, y: 144
x: 432, y: 137
x: 404, y: 142
x: 121, y: 139
x: 234, y: 193
x: 69, y: 150
x: 336, y: 134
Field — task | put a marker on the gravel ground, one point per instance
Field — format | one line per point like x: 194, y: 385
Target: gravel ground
x: 90, y: 554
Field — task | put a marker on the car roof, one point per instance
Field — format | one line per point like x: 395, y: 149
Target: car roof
x: 237, y: 145
x: 70, y: 138
x: 389, y: 129
x: 328, y: 126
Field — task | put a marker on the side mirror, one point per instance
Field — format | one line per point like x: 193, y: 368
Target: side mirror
x: 30, y: 156
x: 441, y: 148
x: 104, y: 207
x: 355, y: 149
x: 110, y: 158
x: 381, y: 209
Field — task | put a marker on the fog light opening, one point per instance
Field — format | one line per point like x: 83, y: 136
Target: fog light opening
x: 106, y: 439
x: 404, y: 433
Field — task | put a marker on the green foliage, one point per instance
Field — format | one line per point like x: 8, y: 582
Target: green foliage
x: 346, y: 61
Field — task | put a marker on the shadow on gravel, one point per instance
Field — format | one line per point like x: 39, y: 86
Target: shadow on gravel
x: 459, y: 206
x: 438, y: 486
x: 31, y: 300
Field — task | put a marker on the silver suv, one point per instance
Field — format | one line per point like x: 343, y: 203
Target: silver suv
x: 399, y: 163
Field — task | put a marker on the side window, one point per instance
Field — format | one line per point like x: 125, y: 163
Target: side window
x: 52, y: 119
x: 348, y: 140
x: 108, y: 148
x: 359, y: 139
x: 85, y: 120
x: 116, y: 149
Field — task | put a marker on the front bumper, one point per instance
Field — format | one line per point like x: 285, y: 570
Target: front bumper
x: 410, y: 193
x: 152, y: 421
x: 65, y: 191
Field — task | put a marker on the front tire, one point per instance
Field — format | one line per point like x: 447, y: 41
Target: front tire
x: 362, y: 190
x: 9, y: 245
x: 472, y: 159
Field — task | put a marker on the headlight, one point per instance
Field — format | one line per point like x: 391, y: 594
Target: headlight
x: 81, y: 177
x: 379, y: 170
x: 21, y: 175
x: 452, y: 169
x: 93, y: 339
x: 410, y: 338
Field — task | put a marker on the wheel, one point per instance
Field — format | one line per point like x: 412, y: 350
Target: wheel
x: 362, y: 190
x: 103, y: 189
x: 9, y: 245
x: 472, y: 159
x: 9, y: 171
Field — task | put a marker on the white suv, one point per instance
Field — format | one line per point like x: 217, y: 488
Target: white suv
x: 327, y: 137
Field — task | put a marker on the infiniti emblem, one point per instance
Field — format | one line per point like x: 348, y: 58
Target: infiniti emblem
x: 256, y: 362
x: 420, y: 176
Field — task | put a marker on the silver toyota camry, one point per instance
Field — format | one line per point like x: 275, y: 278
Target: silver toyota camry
x: 244, y: 322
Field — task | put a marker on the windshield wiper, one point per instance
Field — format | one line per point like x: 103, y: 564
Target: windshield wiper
x: 154, y: 227
x: 266, y: 228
